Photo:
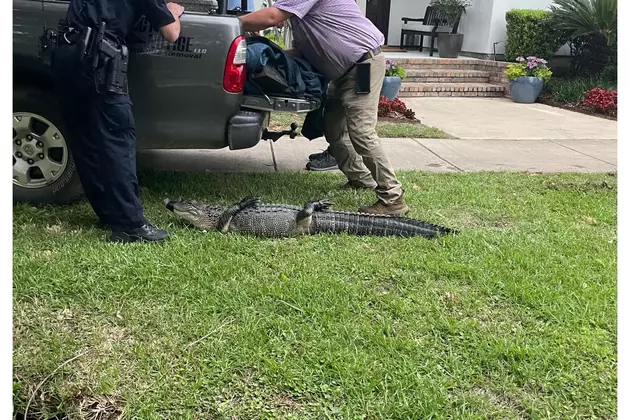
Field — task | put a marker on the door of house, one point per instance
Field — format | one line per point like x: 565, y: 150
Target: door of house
x: 378, y: 13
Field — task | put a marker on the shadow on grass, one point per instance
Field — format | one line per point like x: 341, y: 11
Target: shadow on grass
x: 218, y: 188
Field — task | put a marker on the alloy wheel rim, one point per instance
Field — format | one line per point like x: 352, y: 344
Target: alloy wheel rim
x: 40, y: 152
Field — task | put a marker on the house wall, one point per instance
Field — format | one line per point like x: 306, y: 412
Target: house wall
x: 482, y: 25
x: 362, y: 5
x: 475, y: 25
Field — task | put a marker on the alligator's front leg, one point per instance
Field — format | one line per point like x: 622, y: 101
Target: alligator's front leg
x: 304, y: 217
x: 226, y: 217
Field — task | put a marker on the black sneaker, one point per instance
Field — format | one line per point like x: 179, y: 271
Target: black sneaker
x: 317, y: 156
x: 325, y: 163
x: 146, y: 233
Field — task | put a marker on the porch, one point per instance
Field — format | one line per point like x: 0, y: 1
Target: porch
x: 483, y: 25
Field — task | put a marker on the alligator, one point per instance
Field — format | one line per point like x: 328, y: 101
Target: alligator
x: 250, y: 216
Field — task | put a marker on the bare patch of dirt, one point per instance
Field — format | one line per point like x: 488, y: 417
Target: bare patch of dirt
x: 102, y: 407
x: 53, y: 229
x: 590, y: 220
x: 502, y: 400
x: 587, y: 186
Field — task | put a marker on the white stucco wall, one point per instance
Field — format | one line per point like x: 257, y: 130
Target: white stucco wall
x: 400, y: 9
x: 475, y: 25
x: 361, y: 3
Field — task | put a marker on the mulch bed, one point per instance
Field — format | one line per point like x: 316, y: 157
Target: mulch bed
x: 576, y: 107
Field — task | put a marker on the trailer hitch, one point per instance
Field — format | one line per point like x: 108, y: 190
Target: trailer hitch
x: 275, y: 135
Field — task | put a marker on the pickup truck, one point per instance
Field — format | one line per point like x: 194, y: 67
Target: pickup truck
x: 186, y: 95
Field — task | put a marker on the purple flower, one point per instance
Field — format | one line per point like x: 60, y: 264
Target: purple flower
x: 532, y: 64
x: 520, y: 59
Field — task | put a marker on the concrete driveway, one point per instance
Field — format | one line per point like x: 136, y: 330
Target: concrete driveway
x: 501, y: 118
x: 493, y: 135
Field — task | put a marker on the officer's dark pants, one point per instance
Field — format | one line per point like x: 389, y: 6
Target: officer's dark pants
x: 102, y: 141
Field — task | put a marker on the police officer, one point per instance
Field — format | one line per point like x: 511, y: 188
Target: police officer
x: 98, y: 114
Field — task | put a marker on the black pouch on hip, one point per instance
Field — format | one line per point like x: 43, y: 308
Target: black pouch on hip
x: 362, y: 84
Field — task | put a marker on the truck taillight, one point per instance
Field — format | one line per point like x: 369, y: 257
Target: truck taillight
x: 235, y: 67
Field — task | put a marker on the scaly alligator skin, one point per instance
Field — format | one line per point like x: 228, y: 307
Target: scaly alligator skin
x: 251, y: 217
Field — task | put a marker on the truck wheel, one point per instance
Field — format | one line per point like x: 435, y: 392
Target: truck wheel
x: 43, y: 169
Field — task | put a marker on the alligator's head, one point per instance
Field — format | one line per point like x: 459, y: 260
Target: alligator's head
x: 200, y: 215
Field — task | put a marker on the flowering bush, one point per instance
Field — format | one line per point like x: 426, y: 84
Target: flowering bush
x: 601, y: 100
x: 393, y: 69
x: 532, y: 66
x: 394, y: 109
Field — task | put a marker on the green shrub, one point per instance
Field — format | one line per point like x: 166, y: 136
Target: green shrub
x: 609, y: 73
x: 587, y: 17
x: 531, y: 33
x: 592, y: 27
x: 572, y: 90
x: 275, y: 39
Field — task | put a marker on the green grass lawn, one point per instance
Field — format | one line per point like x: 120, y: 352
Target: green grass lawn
x: 513, y: 318
x: 282, y: 121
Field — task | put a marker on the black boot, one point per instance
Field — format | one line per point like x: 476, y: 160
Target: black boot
x: 146, y: 233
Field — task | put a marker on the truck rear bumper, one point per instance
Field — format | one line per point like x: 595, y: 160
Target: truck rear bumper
x: 245, y: 129
x: 248, y: 126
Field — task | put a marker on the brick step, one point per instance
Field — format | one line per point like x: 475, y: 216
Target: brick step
x: 447, y: 76
x: 450, y: 89
x: 451, y: 64
x: 442, y: 64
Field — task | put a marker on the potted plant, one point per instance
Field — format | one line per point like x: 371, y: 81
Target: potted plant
x: 394, y: 75
x: 527, y: 78
x: 450, y: 43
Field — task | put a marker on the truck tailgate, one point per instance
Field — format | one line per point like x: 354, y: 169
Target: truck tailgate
x: 179, y: 87
x: 279, y: 104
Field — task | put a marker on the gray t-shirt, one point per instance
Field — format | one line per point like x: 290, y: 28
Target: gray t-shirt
x: 331, y: 34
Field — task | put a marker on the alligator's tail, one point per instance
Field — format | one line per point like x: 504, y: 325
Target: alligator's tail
x: 376, y: 225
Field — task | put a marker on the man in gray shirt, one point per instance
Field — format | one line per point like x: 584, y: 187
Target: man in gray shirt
x: 335, y: 37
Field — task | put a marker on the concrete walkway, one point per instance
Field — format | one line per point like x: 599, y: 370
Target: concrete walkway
x: 430, y: 155
x: 493, y: 135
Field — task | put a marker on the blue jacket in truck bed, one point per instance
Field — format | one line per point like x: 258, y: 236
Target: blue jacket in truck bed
x: 271, y: 71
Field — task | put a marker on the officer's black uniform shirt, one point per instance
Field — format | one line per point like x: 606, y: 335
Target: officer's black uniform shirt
x: 119, y: 15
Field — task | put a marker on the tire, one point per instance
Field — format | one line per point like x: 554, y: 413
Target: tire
x: 43, y: 168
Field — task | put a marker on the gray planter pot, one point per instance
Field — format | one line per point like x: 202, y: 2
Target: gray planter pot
x: 391, y: 86
x: 449, y: 45
x: 525, y: 90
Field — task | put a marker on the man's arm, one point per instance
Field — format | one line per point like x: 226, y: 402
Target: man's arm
x: 171, y: 31
x: 264, y: 18
x: 164, y: 17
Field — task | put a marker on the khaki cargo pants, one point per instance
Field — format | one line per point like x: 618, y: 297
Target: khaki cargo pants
x: 350, y: 129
